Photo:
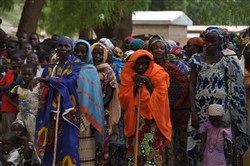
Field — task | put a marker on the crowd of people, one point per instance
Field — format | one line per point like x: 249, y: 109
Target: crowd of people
x: 152, y: 102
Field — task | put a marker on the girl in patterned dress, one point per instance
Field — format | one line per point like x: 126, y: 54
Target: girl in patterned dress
x: 28, y: 100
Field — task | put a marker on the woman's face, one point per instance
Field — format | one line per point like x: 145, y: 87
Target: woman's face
x: 212, y: 42
x: 64, y: 50
x: 158, y: 50
x: 191, y: 49
x: 80, y: 51
x: 97, y: 54
x: 141, y: 65
x: 246, y: 52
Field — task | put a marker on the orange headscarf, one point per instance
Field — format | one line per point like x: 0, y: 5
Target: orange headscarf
x: 155, y: 106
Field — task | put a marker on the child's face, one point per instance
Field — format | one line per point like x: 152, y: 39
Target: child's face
x: 27, y: 74
x: 16, y: 61
x: 7, y: 144
x: 27, y: 48
x: 215, y: 120
x: 32, y: 59
x: 17, y: 129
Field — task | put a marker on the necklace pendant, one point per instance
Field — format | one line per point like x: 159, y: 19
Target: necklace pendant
x: 211, y: 150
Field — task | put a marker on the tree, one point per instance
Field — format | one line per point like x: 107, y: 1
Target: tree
x: 208, y: 12
x: 30, y: 16
x: 81, y: 16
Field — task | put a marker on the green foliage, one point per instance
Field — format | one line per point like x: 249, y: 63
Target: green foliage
x: 7, y: 5
x: 69, y: 17
x: 209, y: 12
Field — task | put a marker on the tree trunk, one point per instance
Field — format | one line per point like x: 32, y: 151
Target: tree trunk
x: 117, y: 31
x: 30, y: 16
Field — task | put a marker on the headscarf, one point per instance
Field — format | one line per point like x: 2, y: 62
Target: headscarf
x: 178, y: 51
x: 154, y: 106
x: 90, y: 95
x: 153, y: 38
x: 128, y: 38
x: 104, y: 48
x: 137, y: 43
x: 216, y: 110
x: 107, y: 42
x: 88, y: 58
x: 218, y: 32
x: 128, y: 54
x: 196, y: 41
x: 69, y: 40
x: 19, y: 121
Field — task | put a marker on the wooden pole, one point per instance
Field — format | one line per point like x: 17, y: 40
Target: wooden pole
x: 56, y: 128
x: 137, y: 127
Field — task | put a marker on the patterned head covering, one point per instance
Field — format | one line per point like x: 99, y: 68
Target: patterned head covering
x: 88, y: 58
x: 67, y: 39
x: 108, y: 44
x: 178, y: 51
x: 105, y: 51
x: 216, y: 110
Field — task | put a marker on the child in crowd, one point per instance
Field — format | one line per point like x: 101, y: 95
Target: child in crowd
x: 8, y: 110
x: 28, y: 100
x: 27, y: 48
x: 9, y: 154
x: 27, y: 147
x: 34, y: 60
x: 215, y: 133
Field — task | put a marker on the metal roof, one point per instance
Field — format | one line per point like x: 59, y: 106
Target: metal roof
x: 161, y: 17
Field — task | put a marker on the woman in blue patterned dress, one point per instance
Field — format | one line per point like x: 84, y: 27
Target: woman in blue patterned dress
x: 217, y: 78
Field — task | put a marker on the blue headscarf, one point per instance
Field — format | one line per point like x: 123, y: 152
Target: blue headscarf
x: 69, y: 40
x: 88, y: 58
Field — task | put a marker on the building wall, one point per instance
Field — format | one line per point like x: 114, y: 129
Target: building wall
x: 174, y: 32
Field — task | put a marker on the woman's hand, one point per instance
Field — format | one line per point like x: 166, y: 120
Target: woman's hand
x: 139, y: 80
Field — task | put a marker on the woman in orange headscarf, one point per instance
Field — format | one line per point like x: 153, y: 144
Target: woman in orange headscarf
x: 155, y: 127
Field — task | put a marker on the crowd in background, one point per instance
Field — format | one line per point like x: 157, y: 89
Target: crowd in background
x: 83, y: 96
